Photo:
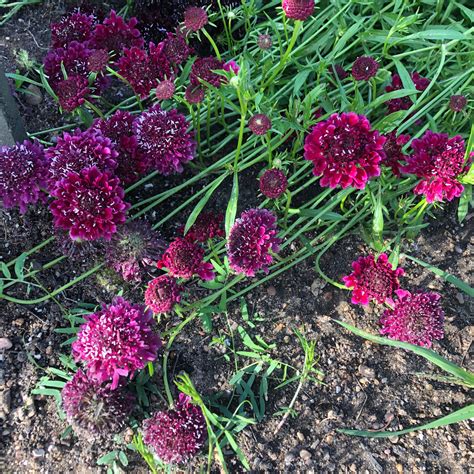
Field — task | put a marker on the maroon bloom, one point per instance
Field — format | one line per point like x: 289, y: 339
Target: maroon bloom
x: 178, y: 434
x: 207, y: 226
x: 298, y: 9
x: 176, y: 49
x: 439, y: 161
x: 373, y: 279
x: 404, y: 103
x: 165, y: 90
x: 74, y: 58
x: 259, y: 124
x: 344, y: 150
x: 117, y: 341
x: 393, y: 153
x: 202, y: 70
x: 162, y: 293
x: 195, y: 18
x: 339, y: 71
x: 184, y: 258
x: 76, y: 26
x: 89, y: 204
x: 72, y: 92
x: 98, y: 60
x: 194, y: 94
x: 457, y: 103
x: 264, y: 42
x: 417, y: 318
x: 23, y: 170
x: 251, y: 239
x: 273, y: 183
x: 364, y: 68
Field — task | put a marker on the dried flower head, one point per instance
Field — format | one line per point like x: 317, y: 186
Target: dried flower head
x: 404, y: 103
x: 393, y: 153
x: 417, y: 318
x: 162, y: 293
x: 176, y: 49
x: 202, y: 70
x: 457, y: 103
x: 298, y: 9
x: 165, y: 90
x: 344, y: 150
x: 117, y: 341
x: 195, y: 18
x: 79, y: 251
x: 273, y: 183
x: 364, y: 68
x: 194, y: 94
x: 251, y: 239
x: 264, y: 42
x: 259, y: 124
x: 207, y: 226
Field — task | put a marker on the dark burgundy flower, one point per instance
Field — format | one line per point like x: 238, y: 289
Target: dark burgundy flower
x: 339, y: 71
x: 344, y: 150
x: 417, y: 318
x: 273, y: 183
x: 457, y: 103
x: 364, y: 68
x: 251, y: 239
x: 194, y: 94
x: 404, y: 103
x: 259, y: 124
x: 178, y: 434
x: 98, y: 60
x: 162, y: 294
x: 184, y: 258
x: 207, y: 226
x: 195, y: 18
x: 176, y: 49
x: 202, y: 70
x: 89, y: 204
x: 264, y: 42
x: 165, y: 90
x: 74, y: 58
x: 373, y: 279
x: 76, y: 26
x: 298, y: 9
x: 23, y: 172
x: 393, y: 153
x: 438, y: 160
x: 72, y: 92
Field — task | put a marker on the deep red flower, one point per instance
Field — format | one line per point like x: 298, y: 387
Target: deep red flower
x: 202, y: 69
x: 98, y: 60
x: 364, y: 68
x: 259, y: 124
x: 273, y: 183
x: 194, y: 94
x: 76, y: 26
x: 195, y: 18
x: 298, y: 9
x: 165, y: 90
x: 74, y: 58
x: 176, y: 49
x: 339, y: 71
x: 344, y: 150
x: 404, y: 103
x: 207, y: 226
x: 264, y: 42
x: 72, y: 92
x: 162, y: 293
x: 393, y: 153
x: 457, y: 103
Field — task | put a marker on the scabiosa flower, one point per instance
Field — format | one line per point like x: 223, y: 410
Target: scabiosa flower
x: 133, y: 249
x: 364, y: 68
x: 207, y: 226
x: 273, y: 183
x: 162, y: 293
x: 165, y: 90
x: 184, y: 258
x: 339, y: 71
x: 194, y: 94
x: 438, y: 160
x: 79, y: 251
x: 23, y: 171
x: 264, y: 42
x: 195, y: 18
x: 164, y: 139
x: 417, y: 318
x: 74, y: 27
x: 393, y: 154
x: 457, y: 103
x: 372, y: 279
x: 89, y: 204
x: 95, y: 411
x: 251, y: 238
x: 97, y: 60
x: 259, y: 124
x: 117, y: 341
x: 298, y: 9
x: 202, y: 69
x: 404, y: 103
x: 72, y: 92
x: 73, y: 58
x: 344, y: 150
x: 231, y: 66
x: 176, y: 49
x: 178, y: 434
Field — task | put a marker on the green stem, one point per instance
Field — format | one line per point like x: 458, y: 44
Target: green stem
x: 213, y: 44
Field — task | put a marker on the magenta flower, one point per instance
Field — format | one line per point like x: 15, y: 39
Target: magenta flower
x: 165, y: 90
x: 23, y: 171
x: 74, y: 58
x: 264, y: 42
x: 176, y: 49
x: 117, y: 341
x: 251, y: 239
x: 273, y: 183
x: 344, y: 150
x: 195, y: 18
x: 417, y: 318
x: 72, y: 92
x: 439, y: 161
x: 404, y: 103
x: 76, y: 26
x: 393, y: 153
x: 259, y: 124
x: 207, y: 226
x: 178, y: 434
x: 203, y: 70
x: 231, y: 66
x: 457, y: 103
x: 298, y: 9
x: 89, y: 204
x: 194, y: 94
x: 162, y: 294
x: 373, y: 279
x: 364, y: 68
x: 164, y: 139
x: 95, y: 411
x: 184, y: 258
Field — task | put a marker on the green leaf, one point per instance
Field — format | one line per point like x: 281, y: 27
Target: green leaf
x: 5, y: 270
x: 300, y: 79
x: 464, y: 200
x: 123, y: 458
x: 232, y: 206
x: 237, y: 450
x: 375, y: 104
x: 107, y: 458
x: 206, y: 319
x: 404, y: 75
x: 442, y: 33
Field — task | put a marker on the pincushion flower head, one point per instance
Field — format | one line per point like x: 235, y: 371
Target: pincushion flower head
x: 89, y: 204
x: 457, y: 103
x: 298, y: 9
x: 393, y: 153
x: 165, y: 90
x: 178, y: 434
x: 162, y: 294
x: 176, y: 49
x: 417, y: 318
x: 251, y: 239
x: 195, y: 18
x: 439, y: 161
x: 203, y: 70
x: 373, y: 280
x: 207, y: 226
x: 404, y: 103
x: 72, y: 92
x: 117, y: 341
x: 164, y: 139
x: 344, y: 150
x: 184, y: 258
x: 194, y: 94
x: 95, y: 411
x: 73, y: 58
x: 364, y: 68
x: 23, y: 171
x: 273, y: 183
x: 264, y: 41
x: 259, y: 124
x: 76, y: 26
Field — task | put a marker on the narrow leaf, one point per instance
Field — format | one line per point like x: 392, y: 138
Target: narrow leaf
x: 232, y: 206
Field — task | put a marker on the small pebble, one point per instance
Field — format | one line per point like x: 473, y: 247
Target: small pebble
x: 33, y: 96
x: 300, y: 436
x: 5, y: 343
x: 271, y: 291
x: 305, y: 455
x: 289, y: 458
x: 460, y: 298
x: 38, y: 453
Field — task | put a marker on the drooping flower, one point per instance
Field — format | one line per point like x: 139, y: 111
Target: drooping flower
x: 117, y: 341
x: 393, y: 153
x: 457, y: 103
x: 373, y: 280
x: 164, y: 139
x: 76, y: 26
x: 364, y: 67
x: 162, y: 293
x: 273, y: 183
x: 89, y: 204
x: 195, y: 18
x: 264, y: 42
x: 404, y: 103
x: 95, y: 411
x: 251, y: 239
x: 417, y: 318
x: 203, y: 70
x: 298, y: 9
x: 438, y: 160
x: 178, y: 434
x: 259, y: 124
x: 176, y: 49
x: 344, y: 150
x: 23, y: 171
x: 194, y: 94
x: 207, y: 226
x: 184, y: 258
x: 165, y: 90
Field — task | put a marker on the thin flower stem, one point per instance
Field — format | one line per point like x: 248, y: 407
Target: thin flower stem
x: 213, y: 44
x: 94, y: 108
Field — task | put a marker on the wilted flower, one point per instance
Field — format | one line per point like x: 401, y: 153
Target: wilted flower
x: 373, y: 279
x: 184, y: 258
x: 117, y: 341
x: 298, y: 9
x: 393, y: 153
x: 457, y: 103
x: 176, y: 49
x: 195, y: 18
x: 76, y: 26
x: 364, y: 68
x: 162, y: 293
x: 264, y: 42
x: 165, y: 90
x: 251, y: 238
x: 273, y: 183
x: 260, y: 124
x: 344, y: 150
x: 202, y: 69
x: 23, y: 171
x: 417, y: 318
x: 80, y: 251
x: 438, y: 160
x: 207, y: 226
x: 177, y: 434
x: 89, y: 204
x: 404, y: 103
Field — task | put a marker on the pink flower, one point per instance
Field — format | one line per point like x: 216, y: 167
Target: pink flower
x: 207, y: 226
x: 364, y: 68
x: 273, y: 183
x: 176, y: 49
x: 165, y: 90
x: 404, y: 103
x: 162, y: 293
x: 298, y: 9
x: 202, y: 70
x: 393, y: 153
x: 194, y: 94
x: 457, y: 103
x: 117, y: 341
x: 373, y: 279
x: 264, y: 42
x: 417, y: 318
x: 344, y: 150
x: 195, y: 18
x: 76, y: 26
x: 251, y: 239
x: 231, y: 66
x: 259, y: 124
